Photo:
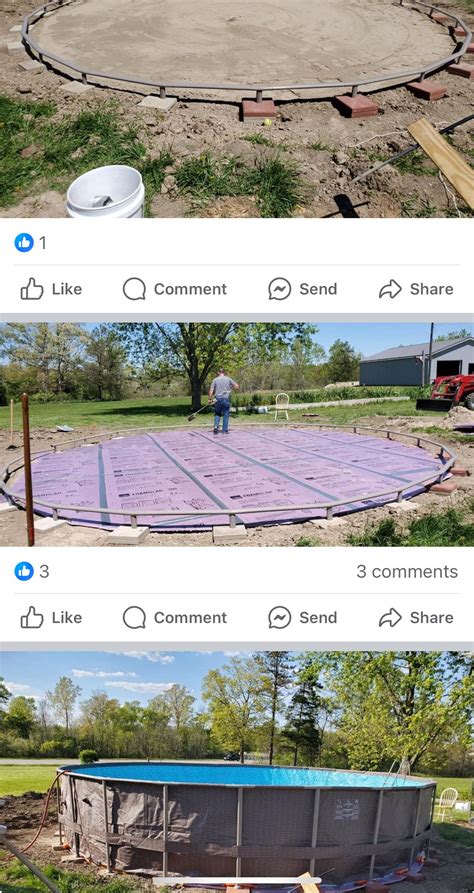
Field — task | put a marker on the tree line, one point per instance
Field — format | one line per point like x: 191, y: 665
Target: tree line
x: 114, y: 361
x: 358, y: 710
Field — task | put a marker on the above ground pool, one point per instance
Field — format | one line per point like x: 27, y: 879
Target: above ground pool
x: 216, y: 820
x: 187, y: 479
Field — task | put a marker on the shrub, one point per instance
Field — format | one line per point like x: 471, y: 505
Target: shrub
x: 88, y: 756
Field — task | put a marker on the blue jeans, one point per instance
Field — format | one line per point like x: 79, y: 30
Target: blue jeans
x: 222, y: 410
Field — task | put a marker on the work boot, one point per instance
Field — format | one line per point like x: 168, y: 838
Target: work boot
x: 216, y: 430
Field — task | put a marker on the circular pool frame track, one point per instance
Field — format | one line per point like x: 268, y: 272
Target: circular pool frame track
x: 326, y: 506
x: 52, y: 60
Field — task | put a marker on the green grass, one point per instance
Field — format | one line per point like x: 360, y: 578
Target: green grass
x: 414, y: 163
x: 15, y: 878
x: 445, y: 434
x: 40, y: 150
x: 259, y: 139
x: 276, y: 186
x: 173, y: 410
x: 15, y: 780
x: 307, y: 541
x: 454, y: 834
x: 449, y: 528
x: 319, y: 146
x: 413, y: 208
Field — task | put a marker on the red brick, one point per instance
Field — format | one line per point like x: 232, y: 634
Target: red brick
x: 253, y: 109
x: 460, y: 32
x: 427, y: 90
x: 462, y: 70
x: 376, y: 887
x: 415, y: 878
x: 431, y: 863
x: 440, y: 18
x: 470, y: 48
x: 460, y: 472
x: 445, y: 488
x: 356, y: 106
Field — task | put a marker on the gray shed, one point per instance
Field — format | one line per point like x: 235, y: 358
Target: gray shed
x: 409, y: 365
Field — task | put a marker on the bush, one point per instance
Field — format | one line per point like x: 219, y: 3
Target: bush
x: 3, y: 393
x: 58, y: 747
x: 88, y: 756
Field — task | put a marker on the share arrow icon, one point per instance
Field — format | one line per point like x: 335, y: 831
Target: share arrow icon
x: 391, y: 290
x: 391, y: 618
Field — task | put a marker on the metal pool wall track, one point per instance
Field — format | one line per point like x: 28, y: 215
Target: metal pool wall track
x: 397, y: 78
x: 180, y: 478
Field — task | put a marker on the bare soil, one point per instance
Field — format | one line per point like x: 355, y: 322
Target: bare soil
x: 327, y: 149
x: 12, y: 524
x: 455, y: 873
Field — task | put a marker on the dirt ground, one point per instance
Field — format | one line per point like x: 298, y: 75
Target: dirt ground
x: 12, y: 524
x: 327, y: 149
x: 455, y: 873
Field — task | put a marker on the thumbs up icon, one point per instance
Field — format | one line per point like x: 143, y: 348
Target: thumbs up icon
x: 32, y: 620
x: 32, y: 291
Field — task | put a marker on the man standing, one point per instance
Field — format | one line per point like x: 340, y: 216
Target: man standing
x: 221, y: 389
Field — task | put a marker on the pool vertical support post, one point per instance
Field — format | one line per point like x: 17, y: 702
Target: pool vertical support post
x: 314, y: 834
x: 106, y: 825
x: 433, y: 807
x: 240, y: 817
x: 375, y: 839
x: 72, y: 791
x: 165, y: 830
x: 417, y: 819
x: 58, y: 806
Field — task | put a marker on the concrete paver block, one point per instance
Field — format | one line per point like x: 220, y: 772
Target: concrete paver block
x: 15, y: 46
x: 16, y: 29
x: 161, y: 105
x: 127, y: 536
x: 6, y: 507
x: 76, y: 88
x: 251, y: 109
x: 445, y: 488
x: 406, y: 505
x: 49, y: 525
x: 31, y: 65
x: 415, y: 878
x: 441, y: 19
x: 356, y: 106
x: 376, y: 887
x: 328, y: 523
x: 460, y: 472
x: 427, y: 90
x: 462, y: 70
x: 228, y: 535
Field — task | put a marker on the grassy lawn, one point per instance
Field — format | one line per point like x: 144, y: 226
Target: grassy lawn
x: 15, y: 780
x: 15, y: 878
x: 174, y: 410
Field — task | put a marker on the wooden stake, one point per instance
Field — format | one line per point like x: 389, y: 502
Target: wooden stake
x: 30, y: 523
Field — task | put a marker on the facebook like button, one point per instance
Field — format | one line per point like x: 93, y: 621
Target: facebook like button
x: 24, y: 571
x: 24, y: 242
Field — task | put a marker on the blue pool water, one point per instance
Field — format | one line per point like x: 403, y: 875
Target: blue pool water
x: 232, y: 774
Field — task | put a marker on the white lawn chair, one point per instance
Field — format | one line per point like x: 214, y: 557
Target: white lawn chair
x: 282, y: 403
x: 446, y: 802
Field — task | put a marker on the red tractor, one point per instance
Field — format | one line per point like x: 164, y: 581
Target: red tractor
x: 449, y: 391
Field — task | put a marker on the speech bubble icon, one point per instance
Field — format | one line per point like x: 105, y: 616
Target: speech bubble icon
x: 279, y: 289
x: 134, y: 617
x: 134, y: 289
x: 279, y: 617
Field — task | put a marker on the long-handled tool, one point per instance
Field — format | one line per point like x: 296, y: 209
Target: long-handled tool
x: 194, y: 414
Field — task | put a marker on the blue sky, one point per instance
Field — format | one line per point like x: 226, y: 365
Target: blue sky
x: 369, y: 338
x: 128, y: 676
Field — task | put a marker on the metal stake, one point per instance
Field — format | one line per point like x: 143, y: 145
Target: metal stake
x: 30, y: 522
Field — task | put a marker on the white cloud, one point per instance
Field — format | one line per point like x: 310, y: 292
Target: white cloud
x: 100, y: 674
x: 154, y: 657
x: 143, y: 688
x: 18, y: 688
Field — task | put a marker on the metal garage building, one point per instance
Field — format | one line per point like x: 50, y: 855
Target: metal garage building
x: 409, y: 365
